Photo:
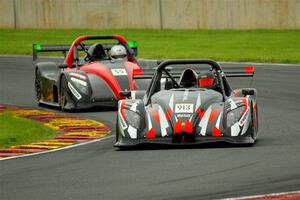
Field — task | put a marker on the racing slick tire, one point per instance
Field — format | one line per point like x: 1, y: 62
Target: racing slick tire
x: 65, y: 100
x: 37, y: 84
x: 253, y: 126
x: 254, y: 116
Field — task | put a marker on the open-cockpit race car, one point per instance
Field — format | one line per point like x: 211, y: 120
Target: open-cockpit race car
x: 92, y: 79
x: 189, y: 102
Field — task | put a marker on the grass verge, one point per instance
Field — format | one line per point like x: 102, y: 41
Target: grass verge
x: 16, y: 131
x: 280, y: 46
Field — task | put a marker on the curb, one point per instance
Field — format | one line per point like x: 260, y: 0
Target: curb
x: 74, y: 130
x: 294, y: 195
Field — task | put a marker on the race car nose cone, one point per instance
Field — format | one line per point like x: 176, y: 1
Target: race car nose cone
x: 183, y: 137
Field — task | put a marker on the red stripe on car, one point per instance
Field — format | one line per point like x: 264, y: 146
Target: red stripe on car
x: 122, y: 109
x: 188, y: 127
x: 150, y: 133
x: 168, y: 114
x: 177, y: 127
x: 200, y: 112
x: 216, y: 132
x: 78, y: 76
x: 155, y: 116
x: 213, y: 115
x: 244, y: 100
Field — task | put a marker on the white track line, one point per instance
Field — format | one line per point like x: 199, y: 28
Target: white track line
x: 58, y: 149
x: 263, y: 195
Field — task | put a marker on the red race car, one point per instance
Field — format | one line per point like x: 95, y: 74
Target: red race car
x: 92, y: 79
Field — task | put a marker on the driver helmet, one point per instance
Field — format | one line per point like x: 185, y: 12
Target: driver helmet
x: 118, y: 51
x: 96, y: 52
x: 188, y: 78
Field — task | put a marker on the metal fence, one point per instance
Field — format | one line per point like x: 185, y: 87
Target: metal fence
x: 156, y: 14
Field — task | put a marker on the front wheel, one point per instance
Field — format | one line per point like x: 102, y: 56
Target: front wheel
x: 65, y: 100
x: 254, y: 123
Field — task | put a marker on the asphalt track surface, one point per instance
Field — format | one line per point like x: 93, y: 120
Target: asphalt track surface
x: 99, y: 171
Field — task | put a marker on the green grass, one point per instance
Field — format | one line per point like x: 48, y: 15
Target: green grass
x: 17, y: 131
x: 223, y: 45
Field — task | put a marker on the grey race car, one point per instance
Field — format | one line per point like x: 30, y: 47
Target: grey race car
x: 189, y: 106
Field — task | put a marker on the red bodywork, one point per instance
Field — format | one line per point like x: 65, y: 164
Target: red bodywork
x: 100, y: 70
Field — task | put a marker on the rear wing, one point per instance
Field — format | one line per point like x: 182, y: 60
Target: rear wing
x: 247, y: 71
x: 37, y: 48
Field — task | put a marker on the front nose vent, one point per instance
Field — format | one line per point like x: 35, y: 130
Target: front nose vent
x: 183, y: 138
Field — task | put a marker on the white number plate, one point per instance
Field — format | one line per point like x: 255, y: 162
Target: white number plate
x: 184, y: 108
x: 119, y: 72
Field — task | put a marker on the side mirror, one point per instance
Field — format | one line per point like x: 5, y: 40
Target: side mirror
x: 246, y: 92
x: 159, y: 61
x: 125, y: 94
x: 62, y: 66
x: 133, y: 46
x: 134, y: 94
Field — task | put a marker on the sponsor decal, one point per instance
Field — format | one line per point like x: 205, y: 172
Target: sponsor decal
x: 183, y: 115
x: 184, y: 108
x: 119, y: 72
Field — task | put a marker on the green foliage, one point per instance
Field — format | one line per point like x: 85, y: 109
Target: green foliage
x: 223, y: 45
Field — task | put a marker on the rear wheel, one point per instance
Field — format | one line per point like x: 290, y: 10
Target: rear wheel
x: 37, y: 84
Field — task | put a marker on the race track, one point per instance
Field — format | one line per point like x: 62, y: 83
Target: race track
x: 99, y: 171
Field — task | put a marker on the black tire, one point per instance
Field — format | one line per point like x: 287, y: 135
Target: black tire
x: 64, y: 97
x: 37, y: 85
x: 117, y: 129
x: 255, y: 114
x: 254, y: 118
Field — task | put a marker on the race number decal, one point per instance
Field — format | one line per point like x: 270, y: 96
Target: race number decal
x: 184, y: 108
x: 119, y: 72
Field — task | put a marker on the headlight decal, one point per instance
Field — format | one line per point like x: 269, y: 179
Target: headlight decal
x: 132, y: 132
x: 238, y: 119
x: 74, y: 91
x: 80, y: 85
x: 204, y: 121
x: 234, y: 116
x: 232, y: 104
x: 150, y: 133
x: 216, y: 129
x: 78, y: 81
x: 132, y: 118
x: 235, y: 129
x: 163, y: 122
x: 244, y: 113
x: 245, y: 125
x: 129, y: 118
